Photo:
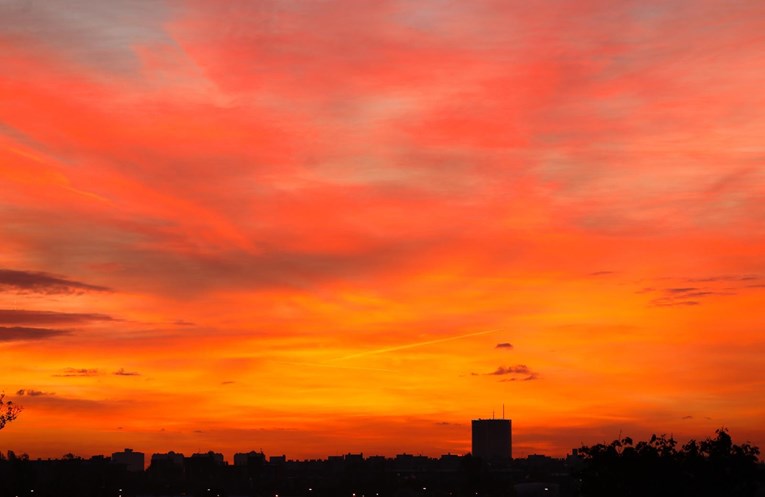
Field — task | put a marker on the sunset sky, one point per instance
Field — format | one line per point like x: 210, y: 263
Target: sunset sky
x: 320, y: 227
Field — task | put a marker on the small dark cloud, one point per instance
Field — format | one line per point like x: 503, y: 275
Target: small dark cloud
x: 693, y: 292
x: 18, y: 316
x: 74, y: 372
x: 519, y: 372
x: 601, y: 273
x: 734, y: 277
x: 504, y: 345
x: 181, y: 322
x: 227, y: 382
x: 692, y: 295
x: 18, y: 333
x: 56, y: 402
x: 685, y: 296
x: 671, y: 302
x: 518, y: 369
x: 687, y: 417
x: 703, y: 294
x: 45, y: 283
x: 122, y: 372
x: 531, y: 377
x: 28, y: 392
x: 681, y: 290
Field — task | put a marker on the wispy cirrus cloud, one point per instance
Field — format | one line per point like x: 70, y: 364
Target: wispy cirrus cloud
x: 98, y: 37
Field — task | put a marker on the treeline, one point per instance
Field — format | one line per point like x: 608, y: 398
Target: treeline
x: 714, y: 467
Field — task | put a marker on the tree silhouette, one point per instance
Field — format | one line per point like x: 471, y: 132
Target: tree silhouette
x: 8, y: 411
x: 713, y: 467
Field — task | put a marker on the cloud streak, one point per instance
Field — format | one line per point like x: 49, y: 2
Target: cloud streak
x: 396, y: 348
x: 122, y: 372
x: 23, y: 333
x: 19, y: 316
x: 518, y: 372
x: 685, y: 296
x: 77, y: 373
x: 29, y: 392
x: 44, y: 283
x: 503, y: 370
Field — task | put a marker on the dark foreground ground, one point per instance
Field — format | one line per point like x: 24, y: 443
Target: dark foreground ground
x: 355, y: 476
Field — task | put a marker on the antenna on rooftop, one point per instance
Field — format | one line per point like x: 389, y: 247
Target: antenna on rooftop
x: 503, y: 410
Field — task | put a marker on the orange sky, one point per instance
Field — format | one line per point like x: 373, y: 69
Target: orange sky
x: 325, y: 227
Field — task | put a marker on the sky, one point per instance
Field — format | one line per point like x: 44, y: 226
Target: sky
x: 330, y: 226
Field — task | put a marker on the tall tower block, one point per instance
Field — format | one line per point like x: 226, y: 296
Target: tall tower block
x: 492, y: 439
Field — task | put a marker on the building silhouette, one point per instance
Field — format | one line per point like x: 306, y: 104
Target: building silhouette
x: 215, y: 458
x: 492, y: 439
x: 133, y: 461
x: 170, y: 458
x: 249, y: 458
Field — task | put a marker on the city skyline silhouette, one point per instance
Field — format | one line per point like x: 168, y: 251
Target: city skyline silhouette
x: 659, y: 466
